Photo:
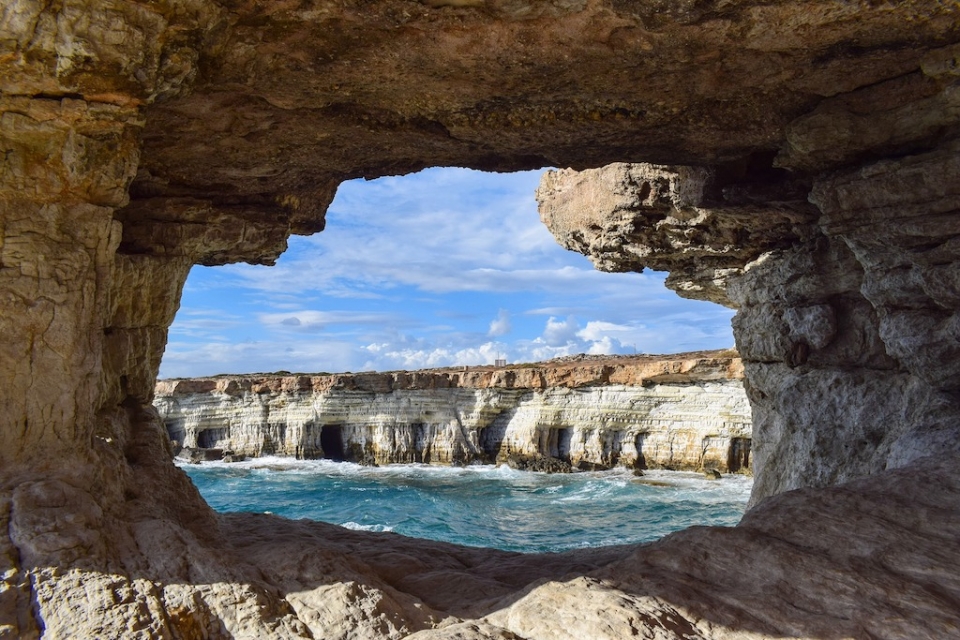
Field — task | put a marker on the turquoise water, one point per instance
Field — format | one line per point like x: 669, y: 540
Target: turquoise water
x: 481, y: 506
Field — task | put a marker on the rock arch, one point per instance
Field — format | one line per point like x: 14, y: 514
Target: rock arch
x: 807, y: 174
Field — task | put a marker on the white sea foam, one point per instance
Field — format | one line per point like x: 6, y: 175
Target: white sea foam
x: 330, y: 467
x: 356, y: 526
x: 730, y: 487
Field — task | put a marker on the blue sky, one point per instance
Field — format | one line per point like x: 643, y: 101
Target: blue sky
x: 443, y: 267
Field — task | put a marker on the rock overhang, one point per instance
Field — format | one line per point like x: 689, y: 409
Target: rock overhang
x: 210, y: 131
x: 285, y: 100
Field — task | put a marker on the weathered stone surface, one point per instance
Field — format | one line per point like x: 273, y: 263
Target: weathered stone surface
x: 872, y: 580
x: 905, y: 114
x: 139, y: 138
x: 849, y: 336
x: 684, y: 412
x: 626, y: 217
x: 875, y: 558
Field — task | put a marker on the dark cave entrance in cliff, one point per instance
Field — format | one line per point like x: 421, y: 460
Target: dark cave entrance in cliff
x: 331, y: 441
x: 564, y: 437
x: 739, y: 455
x: 641, y: 462
x: 210, y: 438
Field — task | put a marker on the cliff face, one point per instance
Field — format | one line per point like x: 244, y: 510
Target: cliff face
x: 595, y: 414
x: 807, y: 176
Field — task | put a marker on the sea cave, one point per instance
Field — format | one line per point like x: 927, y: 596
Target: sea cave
x: 794, y: 161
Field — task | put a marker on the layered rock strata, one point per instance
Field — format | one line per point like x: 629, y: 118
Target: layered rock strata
x: 683, y: 412
x: 139, y: 138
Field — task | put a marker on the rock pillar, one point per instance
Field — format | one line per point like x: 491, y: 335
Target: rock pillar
x: 66, y: 167
x: 850, y: 340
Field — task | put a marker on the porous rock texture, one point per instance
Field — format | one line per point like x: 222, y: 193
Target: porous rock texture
x: 683, y: 412
x: 139, y: 138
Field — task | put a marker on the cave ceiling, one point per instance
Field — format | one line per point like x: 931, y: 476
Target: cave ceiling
x: 270, y: 105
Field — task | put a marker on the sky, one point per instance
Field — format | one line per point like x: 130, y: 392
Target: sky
x: 443, y: 267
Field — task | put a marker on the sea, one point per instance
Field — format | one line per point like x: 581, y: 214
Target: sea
x: 482, y: 506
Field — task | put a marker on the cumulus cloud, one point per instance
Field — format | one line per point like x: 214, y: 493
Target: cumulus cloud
x: 603, y: 346
x: 500, y: 325
x: 387, y: 357
x: 599, y: 329
x: 560, y: 332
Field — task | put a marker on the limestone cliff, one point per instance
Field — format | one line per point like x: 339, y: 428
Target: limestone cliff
x: 684, y: 412
x: 805, y: 172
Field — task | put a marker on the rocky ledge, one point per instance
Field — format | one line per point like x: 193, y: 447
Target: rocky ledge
x: 685, y: 411
x: 876, y: 558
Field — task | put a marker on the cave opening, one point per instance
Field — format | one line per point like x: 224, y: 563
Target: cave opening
x: 613, y: 447
x: 421, y: 442
x: 140, y: 138
x: 175, y: 431
x: 443, y: 268
x: 211, y: 438
x: 641, y: 461
x: 490, y: 439
x: 564, y: 438
x: 739, y: 459
x: 331, y: 441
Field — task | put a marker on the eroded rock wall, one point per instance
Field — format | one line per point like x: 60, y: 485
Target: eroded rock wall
x: 847, y: 299
x: 699, y: 420
x: 842, y: 382
x: 85, y: 479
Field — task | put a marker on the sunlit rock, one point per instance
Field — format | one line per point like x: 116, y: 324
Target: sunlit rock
x: 685, y: 412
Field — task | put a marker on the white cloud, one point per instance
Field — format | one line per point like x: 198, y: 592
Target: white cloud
x: 599, y: 330
x: 554, y: 311
x: 310, y: 320
x: 440, y: 231
x: 605, y: 345
x: 560, y: 332
x: 388, y: 358
x: 500, y: 325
